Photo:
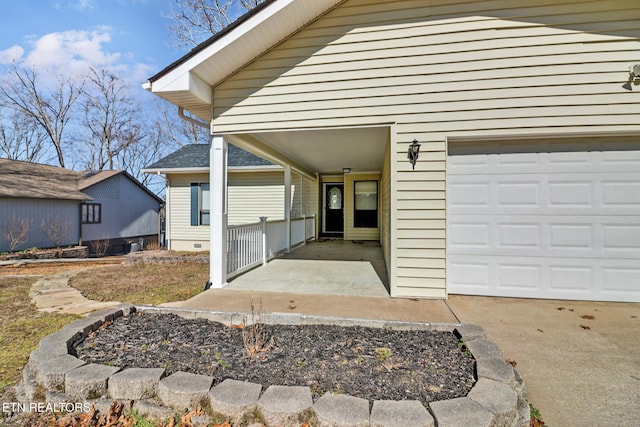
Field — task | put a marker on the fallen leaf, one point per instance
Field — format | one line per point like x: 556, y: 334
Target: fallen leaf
x: 560, y: 308
x: 585, y: 327
x: 540, y: 330
x: 587, y: 317
x: 291, y: 307
x: 511, y: 362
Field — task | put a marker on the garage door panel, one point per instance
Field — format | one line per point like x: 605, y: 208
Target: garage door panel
x: 545, y: 219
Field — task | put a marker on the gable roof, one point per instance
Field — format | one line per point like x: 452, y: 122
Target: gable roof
x: 27, y: 180
x: 195, y: 157
x: 188, y: 81
x: 35, y: 181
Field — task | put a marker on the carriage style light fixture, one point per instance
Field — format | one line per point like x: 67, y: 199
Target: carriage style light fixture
x: 634, y: 76
x: 413, y: 152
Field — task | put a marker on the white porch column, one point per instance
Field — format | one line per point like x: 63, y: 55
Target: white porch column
x: 287, y: 204
x: 218, y: 213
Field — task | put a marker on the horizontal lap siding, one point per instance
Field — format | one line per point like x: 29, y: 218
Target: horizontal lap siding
x: 439, y: 69
x: 252, y: 195
x: 182, y: 234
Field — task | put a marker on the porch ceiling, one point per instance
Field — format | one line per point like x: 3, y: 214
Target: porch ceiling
x: 323, y: 151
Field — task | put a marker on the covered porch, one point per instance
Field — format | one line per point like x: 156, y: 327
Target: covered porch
x: 322, y: 267
x: 343, y: 175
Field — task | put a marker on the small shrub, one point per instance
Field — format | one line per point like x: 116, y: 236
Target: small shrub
x: 100, y: 247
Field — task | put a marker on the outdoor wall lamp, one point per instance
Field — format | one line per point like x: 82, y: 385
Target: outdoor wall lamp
x: 346, y: 170
x: 413, y: 152
x: 634, y: 74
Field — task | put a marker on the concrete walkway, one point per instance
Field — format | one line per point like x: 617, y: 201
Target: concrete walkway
x: 53, y: 294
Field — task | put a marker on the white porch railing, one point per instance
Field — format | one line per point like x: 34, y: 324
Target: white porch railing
x: 251, y: 244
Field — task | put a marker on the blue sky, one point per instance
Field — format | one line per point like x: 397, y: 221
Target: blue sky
x: 130, y: 36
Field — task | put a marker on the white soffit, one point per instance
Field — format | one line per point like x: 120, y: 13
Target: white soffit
x: 190, y: 82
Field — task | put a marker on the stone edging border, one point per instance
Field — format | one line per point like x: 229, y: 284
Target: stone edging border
x: 53, y: 375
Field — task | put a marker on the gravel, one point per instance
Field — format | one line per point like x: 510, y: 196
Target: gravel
x: 374, y: 364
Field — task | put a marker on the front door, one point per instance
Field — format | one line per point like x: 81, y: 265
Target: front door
x: 334, y: 208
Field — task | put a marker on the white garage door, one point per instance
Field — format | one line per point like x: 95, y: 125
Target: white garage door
x: 544, y: 219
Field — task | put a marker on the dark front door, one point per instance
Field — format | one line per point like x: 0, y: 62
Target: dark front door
x: 334, y: 208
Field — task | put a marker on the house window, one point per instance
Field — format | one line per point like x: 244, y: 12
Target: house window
x: 200, y: 204
x: 365, y: 213
x: 91, y: 213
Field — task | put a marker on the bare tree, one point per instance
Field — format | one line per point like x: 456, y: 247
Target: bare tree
x: 197, y: 20
x: 111, y: 116
x: 56, y: 229
x: 20, y: 137
x: 16, y: 232
x: 50, y: 108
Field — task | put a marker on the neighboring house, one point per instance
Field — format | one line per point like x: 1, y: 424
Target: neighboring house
x: 65, y: 207
x: 528, y: 177
x: 255, y: 189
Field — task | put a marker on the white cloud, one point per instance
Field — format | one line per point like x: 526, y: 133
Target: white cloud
x: 12, y: 54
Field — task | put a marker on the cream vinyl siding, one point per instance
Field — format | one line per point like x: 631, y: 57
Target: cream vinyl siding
x: 182, y: 236
x: 437, y: 69
x: 250, y: 195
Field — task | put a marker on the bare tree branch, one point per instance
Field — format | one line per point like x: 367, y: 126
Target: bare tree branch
x: 197, y: 20
x: 111, y: 116
x: 49, y: 108
x: 20, y: 137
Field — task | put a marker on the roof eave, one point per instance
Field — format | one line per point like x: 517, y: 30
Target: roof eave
x: 188, y: 82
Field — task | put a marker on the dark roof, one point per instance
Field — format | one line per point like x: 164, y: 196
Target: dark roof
x: 202, y: 46
x: 35, y: 181
x: 197, y: 156
x: 27, y: 180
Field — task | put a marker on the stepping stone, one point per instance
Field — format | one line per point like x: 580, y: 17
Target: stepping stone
x: 89, y: 381
x: 234, y: 399
x: 406, y: 413
x: 184, y: 390
x: 135, y: 383
x: 283, y: 406
x: 341, y: 410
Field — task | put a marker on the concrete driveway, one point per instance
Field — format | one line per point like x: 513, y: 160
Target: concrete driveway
x: 579, y: 371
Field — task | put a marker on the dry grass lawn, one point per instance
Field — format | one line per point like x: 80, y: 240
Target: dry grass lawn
x: 142, y: 283
x: 22, y: 328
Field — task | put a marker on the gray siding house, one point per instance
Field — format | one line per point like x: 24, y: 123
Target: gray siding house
x: 64, y: 207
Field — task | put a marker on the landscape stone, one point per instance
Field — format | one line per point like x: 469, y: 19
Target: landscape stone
x: 461, y: 411
x: 339, y: 410
x: 135, y: 383
x: 107, y: 314
x: 406, y: 413
x: 482, y: 348
x: 51, y: 372
x: 184, y: 390
x: 152, y: 410
x: 282, y: 406
x: 469, y: 332
x: 88, y: 381
x: 496, y: 369
x: 85, y: 326
x: 234, y: 399
x: 497, y: 398
x: 58, y: 343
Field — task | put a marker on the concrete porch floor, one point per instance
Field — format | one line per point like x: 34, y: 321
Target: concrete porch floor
x: 324, y: 267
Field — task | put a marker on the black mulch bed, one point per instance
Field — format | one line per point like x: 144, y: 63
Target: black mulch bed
x: 375, y: 364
